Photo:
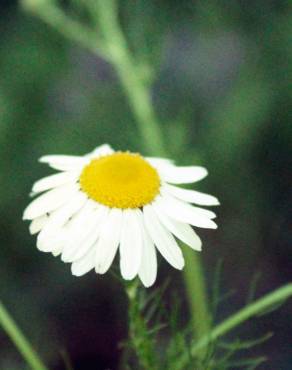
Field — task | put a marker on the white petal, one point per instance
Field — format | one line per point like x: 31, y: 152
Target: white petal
x: 80, y: 227
x: 184, y: 212
x: 109, y: 240
x: 52, y: 243
x: 78, y: 243
x: 57, y: 251
x: 50, y: 201
x: 175, y: 202
x: 54, y: 233
x: 182, y: 231
x: 82, y: 249
x: 148, y: 268
x: 58, y: 218
x: 131, y: 244
x: 64, y: 162
x: 84, y: 264
x: 191, y: 196
x: 101, y: 150
x: 163, y: 239
x: 54, y: 181
x: 37, y: 224
x: 182, y: 175
x: 159, y: 163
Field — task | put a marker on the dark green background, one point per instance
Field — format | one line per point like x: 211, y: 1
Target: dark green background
x: 222, y: 93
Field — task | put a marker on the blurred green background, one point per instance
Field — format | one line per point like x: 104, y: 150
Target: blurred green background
x: 222, y: 90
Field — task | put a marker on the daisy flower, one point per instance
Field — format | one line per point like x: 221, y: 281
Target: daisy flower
x: 108, y: 201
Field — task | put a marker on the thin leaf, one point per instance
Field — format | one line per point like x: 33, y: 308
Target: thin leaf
x: 253, y: 287
x: 247, y: 362
x: 247, y: 344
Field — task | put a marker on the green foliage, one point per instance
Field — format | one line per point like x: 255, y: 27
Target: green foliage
x: 143, y: 336
x: 151, y: 324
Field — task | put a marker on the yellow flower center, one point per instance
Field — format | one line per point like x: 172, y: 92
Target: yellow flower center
x: 120, y: 180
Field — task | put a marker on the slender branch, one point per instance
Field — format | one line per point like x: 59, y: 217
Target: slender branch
x: 55, y: 17
x: 241, y: 316
x: 19, y: 340
x: 137, y: 92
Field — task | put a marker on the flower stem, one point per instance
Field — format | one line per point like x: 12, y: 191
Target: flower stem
x: 19, y: 340
x: 132, y: 81
x: 139, y: 337
x: 196, y: 292
x: 114, y: 48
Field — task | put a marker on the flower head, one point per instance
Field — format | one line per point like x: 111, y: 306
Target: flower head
x: 107, y: 201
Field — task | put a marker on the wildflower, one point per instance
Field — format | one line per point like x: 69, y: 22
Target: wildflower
x: 107, y: 201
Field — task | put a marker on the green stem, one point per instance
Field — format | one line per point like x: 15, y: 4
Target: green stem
x: 139, y: 336
x: 241, y: 316
x: 196, y: 292
x: 55, y: 17
x: 19, y: 340
x: 114, y: 48
x: 133, y: 83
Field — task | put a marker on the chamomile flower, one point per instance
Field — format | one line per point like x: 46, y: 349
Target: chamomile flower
x: 108, y: 201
